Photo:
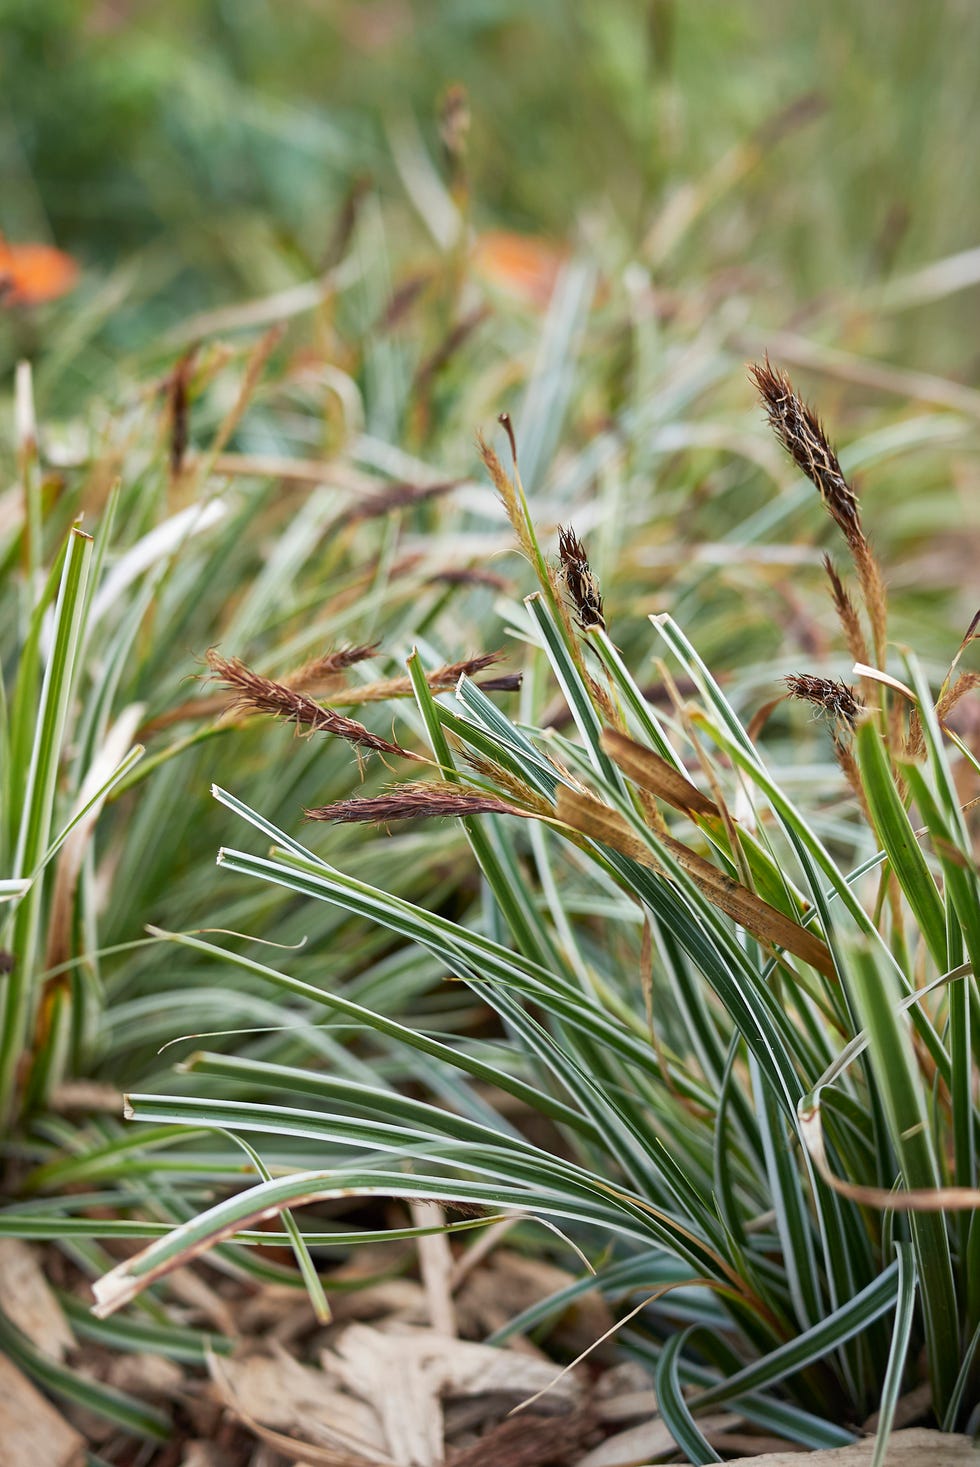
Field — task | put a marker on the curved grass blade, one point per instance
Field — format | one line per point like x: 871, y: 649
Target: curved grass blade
x: 307, y: 1268
x: 188, y: 1346
x: 674, y: 1409
x: 811, y: 1345
x: 897, y: 838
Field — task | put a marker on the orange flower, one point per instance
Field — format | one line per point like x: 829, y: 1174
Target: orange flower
x: 33, y: 273
x: 524, y: 264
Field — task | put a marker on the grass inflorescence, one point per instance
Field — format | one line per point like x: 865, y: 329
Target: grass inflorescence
x: 670, y: 934
x: 751, y: 1060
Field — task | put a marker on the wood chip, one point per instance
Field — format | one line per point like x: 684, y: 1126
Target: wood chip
x: 436, y: 1267
x: 526, y: 1441
x: 647, y: 1442
x: 151, y: 1377
x: 389, y: 1372
x: 909, y: 1409
x: 87, y: 1095
x: 191, y: 1289
x: 509, y: 1281
x: 453, y: 1367
x: 913, y: 1448
x: 280, y: 1393
x: 203, y: 1454
x: 31, y: 1430
x: 405, y: 1377
x: 28, y: 1301
x: 628, y: 1407
x: 400, y: 1300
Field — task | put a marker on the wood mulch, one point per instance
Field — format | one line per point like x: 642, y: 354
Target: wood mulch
x: 399, y: 1377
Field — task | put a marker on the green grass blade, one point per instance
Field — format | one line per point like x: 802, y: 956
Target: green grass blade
x: 37, y: 810
x: 899, y: 1084
x: 897, y: 839
x: 673, y: 1407
x: 305, y: 1264
x: 135, y: 1336
x: 811, y: 1345
x: 901, y: 1334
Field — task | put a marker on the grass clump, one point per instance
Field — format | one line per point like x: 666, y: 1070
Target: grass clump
x: 743, y: 1021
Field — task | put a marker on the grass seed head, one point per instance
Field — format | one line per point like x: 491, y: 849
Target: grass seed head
x: 251, y: 693
x: 330, y: 665
x: 180, y: 411
x: 833, y: 695
x: 802, y: 435
x: 413, y: 802
x: 580, y: 582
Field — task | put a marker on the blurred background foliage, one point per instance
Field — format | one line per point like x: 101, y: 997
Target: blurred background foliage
x: 206, y: 147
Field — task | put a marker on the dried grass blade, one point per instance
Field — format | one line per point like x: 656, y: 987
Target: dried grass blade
x: 592, y: 818
x: 651, y: 773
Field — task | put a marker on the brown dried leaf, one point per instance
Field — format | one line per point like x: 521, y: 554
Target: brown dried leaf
x: 592, y: 818
x: 652, y: 773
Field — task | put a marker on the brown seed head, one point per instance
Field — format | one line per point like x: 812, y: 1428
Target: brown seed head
x: 414, y: 802
x: 180, y: 411
x: 507, y: 682
x: 504, y: 420
x: 440, y: 679
x: 454, y: 120
x: 847, y: 613
x: 469, y: 576
x: 831, y: 694
x: 801, y: 433
x: 250, y: 693
x: 330, y: 665
x: 580, y: 583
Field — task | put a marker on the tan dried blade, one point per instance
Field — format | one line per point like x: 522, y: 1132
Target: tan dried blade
x: 591, y: 817
x: 654, y: 774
